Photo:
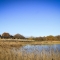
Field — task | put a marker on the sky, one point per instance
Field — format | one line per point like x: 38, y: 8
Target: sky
x: 30, y: 17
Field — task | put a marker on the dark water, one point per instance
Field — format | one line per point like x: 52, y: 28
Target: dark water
x: 31, y: 52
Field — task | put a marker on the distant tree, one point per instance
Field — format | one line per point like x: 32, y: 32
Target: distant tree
x: 44, y: 38
x: 50, y: 38
x: 0, y: 36
x: 31, y: 38
x: 5, y: 35
x: 36, y: 39
x: 57, y: 37
x: 18, y: 36
x: 41, y: 38
x: 11, y: 36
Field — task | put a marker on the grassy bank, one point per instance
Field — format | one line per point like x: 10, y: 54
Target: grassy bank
x: 23, y: 42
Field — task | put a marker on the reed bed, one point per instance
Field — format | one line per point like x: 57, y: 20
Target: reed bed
x: 18, y: 42
x: 13, y: 53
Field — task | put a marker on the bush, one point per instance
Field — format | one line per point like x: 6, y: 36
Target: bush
x: 18, y: 36
x: 5, y: 35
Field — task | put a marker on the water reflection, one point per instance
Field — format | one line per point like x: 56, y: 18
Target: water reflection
x: 37, y: 49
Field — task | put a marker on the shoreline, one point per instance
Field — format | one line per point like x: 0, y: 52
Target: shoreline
x: 19, y: 43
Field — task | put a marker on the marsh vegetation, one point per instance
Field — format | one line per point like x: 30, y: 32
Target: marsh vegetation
x: 30, y: 52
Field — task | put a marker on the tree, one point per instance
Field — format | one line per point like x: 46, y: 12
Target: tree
x: 41, y: 38
x: 18, y: 36
x: 5, y: 35
x: 0, y: 36
x: 50, y: 38
x: 31, y: 38
x: 38, y: 38
x: 57, y: 37
x: 11, y: 36
x: 44, y: 38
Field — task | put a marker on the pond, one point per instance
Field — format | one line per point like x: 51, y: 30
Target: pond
x: 31, y: 52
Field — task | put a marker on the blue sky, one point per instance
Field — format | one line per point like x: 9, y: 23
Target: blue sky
x: 30, y: 17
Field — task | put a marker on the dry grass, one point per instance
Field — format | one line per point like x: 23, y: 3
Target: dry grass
x: 6, y: 53
x: 23, y: 42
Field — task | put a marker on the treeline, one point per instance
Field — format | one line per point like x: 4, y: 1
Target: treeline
x: 6, y: 35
